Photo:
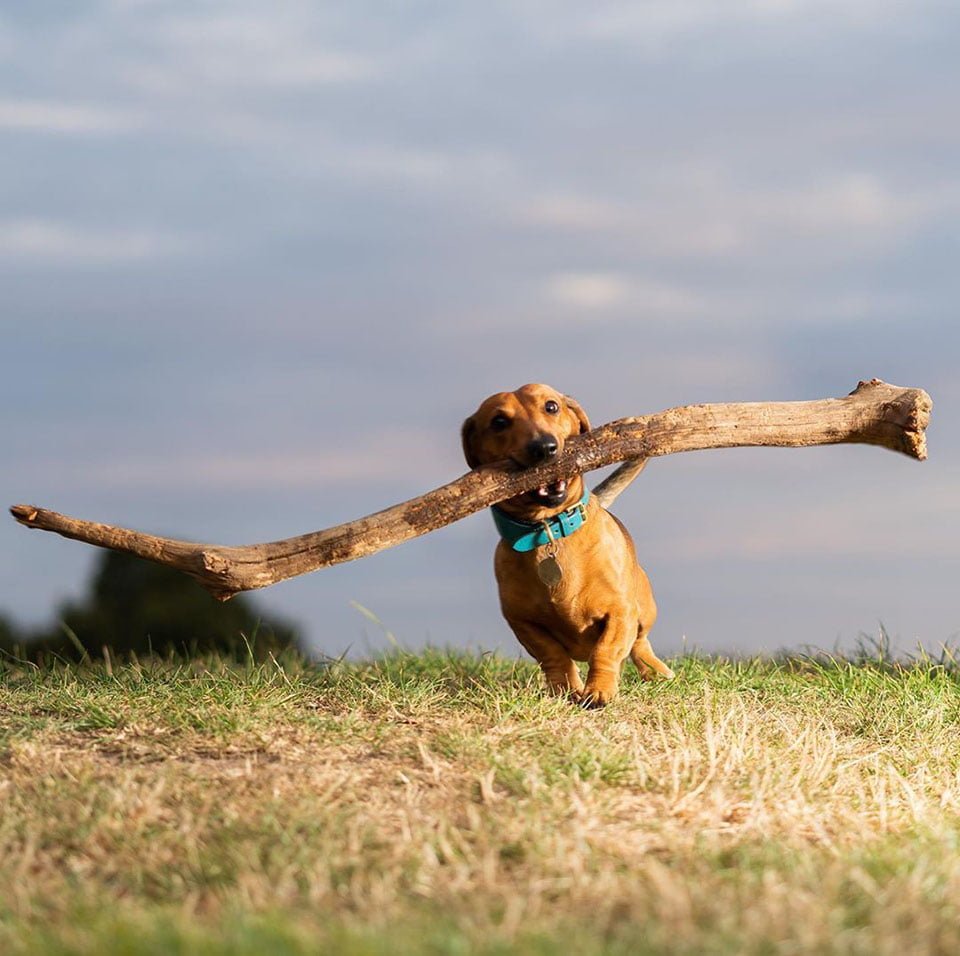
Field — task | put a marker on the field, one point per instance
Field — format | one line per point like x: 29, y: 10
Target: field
x: 439, y: 803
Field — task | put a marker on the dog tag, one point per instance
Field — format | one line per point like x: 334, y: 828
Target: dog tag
x: 549, y: 571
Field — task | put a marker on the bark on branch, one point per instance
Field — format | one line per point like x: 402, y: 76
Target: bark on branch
x: 875, y: 413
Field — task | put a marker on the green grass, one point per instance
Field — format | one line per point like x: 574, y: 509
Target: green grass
x: 441, y: 803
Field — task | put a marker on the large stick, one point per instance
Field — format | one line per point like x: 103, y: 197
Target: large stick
x: 875, y: 413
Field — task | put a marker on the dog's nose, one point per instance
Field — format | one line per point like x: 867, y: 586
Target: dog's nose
x: 542, y: 447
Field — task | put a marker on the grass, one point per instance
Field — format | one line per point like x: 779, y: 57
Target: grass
x: 440, y: 803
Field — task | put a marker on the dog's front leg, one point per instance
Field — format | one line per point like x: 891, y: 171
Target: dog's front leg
x: 606, y: 661
x: 559, y: 669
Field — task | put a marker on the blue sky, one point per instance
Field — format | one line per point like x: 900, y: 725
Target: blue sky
x: 258, y: 262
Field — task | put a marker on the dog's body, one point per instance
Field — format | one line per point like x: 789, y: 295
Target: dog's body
x: 601, y: 609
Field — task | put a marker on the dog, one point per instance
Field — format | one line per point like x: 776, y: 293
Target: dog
x: 570, y: 585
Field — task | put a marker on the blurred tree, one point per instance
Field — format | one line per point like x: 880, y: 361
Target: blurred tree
x: 10, y: 636
x: 136, y: 605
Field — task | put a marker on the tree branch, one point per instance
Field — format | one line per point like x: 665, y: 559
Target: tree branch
x: 875, y: 413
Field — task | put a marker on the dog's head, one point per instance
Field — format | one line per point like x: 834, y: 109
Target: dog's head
x: 528, y: 426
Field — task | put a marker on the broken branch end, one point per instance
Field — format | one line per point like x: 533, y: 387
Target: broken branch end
x: 25, y: 514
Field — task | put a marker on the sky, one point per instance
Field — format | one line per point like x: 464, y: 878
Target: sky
x: 259, y: 261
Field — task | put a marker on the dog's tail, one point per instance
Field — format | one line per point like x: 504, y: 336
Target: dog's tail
x: 610, y: 488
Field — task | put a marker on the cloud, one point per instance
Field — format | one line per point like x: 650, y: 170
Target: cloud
x: 658, y: 30
x: 575, y: 212
x: 852, y: 202
x: 396, y: 456
x: 309, y: 155
x: 238, y: 51
x: 42, y: 240
x: 706, y: 214
x: 816, y: 531
x: 668, y: 226
x: 53, y: 116
x: 587, y: 290
x: 605, y: 291
x: 651, y: 25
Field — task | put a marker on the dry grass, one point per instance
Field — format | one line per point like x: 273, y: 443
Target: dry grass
x: 441, y: 804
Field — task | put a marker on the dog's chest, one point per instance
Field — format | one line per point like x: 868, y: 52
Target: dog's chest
x: 596, y: 579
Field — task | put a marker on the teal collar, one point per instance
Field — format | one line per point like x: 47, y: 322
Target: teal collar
x: 527, y: 535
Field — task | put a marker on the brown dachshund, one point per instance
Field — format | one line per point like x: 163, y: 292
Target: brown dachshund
x: 570, y: 586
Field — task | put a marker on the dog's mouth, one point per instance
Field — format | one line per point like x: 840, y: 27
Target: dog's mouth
x: 549, y: 495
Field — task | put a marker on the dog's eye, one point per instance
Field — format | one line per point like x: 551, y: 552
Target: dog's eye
x: 552, y: 407
x: 499, y: 422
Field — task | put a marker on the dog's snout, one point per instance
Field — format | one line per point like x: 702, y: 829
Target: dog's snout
x: 542, y: 447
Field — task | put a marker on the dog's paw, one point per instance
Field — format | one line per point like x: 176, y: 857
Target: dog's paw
x: 650, y: 667
x: 662, y: 673
x: 565, y: 689
x: 595, y: 696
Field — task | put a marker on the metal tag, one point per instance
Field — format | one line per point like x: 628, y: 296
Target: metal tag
x: 549, y: 571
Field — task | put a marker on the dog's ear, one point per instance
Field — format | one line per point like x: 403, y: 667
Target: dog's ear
x: 467, y: 435
x: 578, y: 412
